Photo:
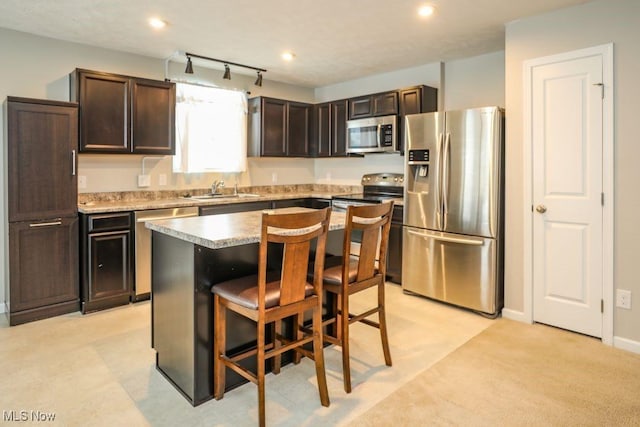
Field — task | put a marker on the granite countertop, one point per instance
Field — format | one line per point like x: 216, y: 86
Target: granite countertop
x: 220, y: 231
x: 90, y: 203
x: 91, y: 207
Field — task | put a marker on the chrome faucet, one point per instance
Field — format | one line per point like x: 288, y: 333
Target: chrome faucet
x: 217, y: 185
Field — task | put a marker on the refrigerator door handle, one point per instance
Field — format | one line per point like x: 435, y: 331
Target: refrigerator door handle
x: 461, y: 240
x: 440, y: 176
x: 445, y: 177
x: 73, y: 162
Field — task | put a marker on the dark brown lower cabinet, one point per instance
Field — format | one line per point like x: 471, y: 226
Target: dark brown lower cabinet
x: 106, y: 261
x: 43, y: 279
x: 394, y: 254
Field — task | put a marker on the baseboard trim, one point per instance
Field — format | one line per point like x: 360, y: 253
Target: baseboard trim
x: 626, y: 344
x: 518, y: 316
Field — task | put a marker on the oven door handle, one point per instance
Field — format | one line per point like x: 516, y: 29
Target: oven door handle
x: 340, y: 205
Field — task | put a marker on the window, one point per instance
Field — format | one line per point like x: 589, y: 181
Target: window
x: 211, y: 130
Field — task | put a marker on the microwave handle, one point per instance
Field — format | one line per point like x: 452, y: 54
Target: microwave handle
x: 378, y: 136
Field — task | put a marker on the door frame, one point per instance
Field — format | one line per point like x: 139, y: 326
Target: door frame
x: 606, y: 51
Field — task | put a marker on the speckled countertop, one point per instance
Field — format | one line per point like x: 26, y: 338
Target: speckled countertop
x: 220, y: 231
x: 90, y: 203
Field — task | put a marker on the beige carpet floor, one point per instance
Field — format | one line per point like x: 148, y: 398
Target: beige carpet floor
x: 519, y: 375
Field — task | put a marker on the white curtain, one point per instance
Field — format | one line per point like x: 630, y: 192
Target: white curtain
x: 211, y: 130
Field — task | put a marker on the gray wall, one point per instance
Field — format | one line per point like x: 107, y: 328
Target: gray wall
x: 41, y: 67
x: 570, y: 29
x: 38, y: 67
x: 471, y: 82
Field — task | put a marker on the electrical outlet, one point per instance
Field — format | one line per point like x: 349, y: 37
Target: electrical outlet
x: 144, y: 180
x: 623, y: 299
x: 162, y: 179
x: 82, y: 181
x: 328, y: 176
x: 274, y: 177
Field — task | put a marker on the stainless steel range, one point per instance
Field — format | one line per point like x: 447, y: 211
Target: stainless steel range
x: 376, y: 188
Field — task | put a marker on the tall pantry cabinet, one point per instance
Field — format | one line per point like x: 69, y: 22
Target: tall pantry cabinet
x: 41, y: 208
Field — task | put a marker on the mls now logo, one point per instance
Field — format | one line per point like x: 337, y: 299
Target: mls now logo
x: 25, y: 415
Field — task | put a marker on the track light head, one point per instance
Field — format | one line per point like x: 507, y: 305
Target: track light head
x: 189, y: 69
x: 227, y: 72
x: 259, y: 80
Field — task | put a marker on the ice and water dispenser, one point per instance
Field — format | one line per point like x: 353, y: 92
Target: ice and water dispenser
x: 418, y: 171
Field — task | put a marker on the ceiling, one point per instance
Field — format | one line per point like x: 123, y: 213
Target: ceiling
x: 333, y: 40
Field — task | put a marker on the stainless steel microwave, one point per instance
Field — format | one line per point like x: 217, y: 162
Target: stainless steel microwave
x: 372, y: 135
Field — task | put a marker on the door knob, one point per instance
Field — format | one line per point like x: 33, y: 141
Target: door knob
x: 541, y: 208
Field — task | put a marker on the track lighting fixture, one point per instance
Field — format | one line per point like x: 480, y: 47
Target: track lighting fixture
x: 227, y: 71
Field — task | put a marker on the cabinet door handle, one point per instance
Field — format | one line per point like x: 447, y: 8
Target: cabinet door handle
x: 73, y: 162
x: 45, y: 224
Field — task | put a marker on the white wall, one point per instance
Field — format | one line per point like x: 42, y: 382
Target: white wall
x: 591, y: 24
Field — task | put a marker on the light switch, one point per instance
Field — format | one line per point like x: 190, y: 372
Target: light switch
x: 162, y: 179
x: 82, y: 181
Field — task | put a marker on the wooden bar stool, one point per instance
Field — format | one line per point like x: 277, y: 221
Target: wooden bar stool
x: 265, y: 300
x: 355, y: 274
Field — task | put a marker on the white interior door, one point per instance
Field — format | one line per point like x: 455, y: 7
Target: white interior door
x: 567, y: 147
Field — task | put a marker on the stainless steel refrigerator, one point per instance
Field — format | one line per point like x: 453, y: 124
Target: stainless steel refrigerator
x: 453, y: 215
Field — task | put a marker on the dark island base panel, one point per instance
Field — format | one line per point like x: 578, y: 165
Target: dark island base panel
x: 182, y: 317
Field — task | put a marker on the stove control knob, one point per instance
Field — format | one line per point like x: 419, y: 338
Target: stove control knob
x: 395, y: 179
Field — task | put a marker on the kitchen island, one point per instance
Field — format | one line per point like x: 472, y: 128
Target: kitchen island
x: 189, y: 255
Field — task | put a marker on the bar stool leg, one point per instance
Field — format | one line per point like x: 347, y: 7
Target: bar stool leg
x: 318, y: 356
x: 260, y: 376
x: 344, y: 338
x: 383, y: 325
x: 219, y: 346
x: 276, y: 362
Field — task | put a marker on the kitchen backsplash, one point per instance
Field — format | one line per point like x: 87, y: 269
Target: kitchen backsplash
x: 171, y: 194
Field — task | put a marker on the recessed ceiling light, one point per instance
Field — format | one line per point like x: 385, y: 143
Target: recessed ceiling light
x: 288, y: 56
x: 157, y: 23
x: 426, y: 10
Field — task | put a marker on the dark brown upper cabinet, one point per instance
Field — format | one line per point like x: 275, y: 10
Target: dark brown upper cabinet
x: 123, y: 114
x: 414, y: 100
x: 322, y: 130
x: 153, y: 116
x: 279, y: 128
x: 42, y: 138
x: 339, y: 114
x: 299, y: 129
x: 378, y: 104
x: 330, y: 129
